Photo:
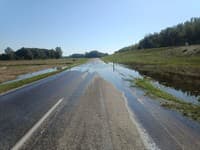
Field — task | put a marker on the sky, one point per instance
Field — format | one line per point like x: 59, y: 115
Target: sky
x: 84, y: 25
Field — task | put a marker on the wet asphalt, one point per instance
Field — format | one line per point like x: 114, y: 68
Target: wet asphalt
x: 21, y: 109
x: 164, y: 128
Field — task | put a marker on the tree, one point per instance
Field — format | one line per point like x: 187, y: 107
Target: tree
x: 4, y: 57
x: 58, y: 52
x: 8, y: 50
x: 10, y: 53
x: 187, y: 32
x: 24, y: 53
x: 31, y: 53
x: 91, y: 54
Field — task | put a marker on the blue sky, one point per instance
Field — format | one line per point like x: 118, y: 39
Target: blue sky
x: 83, y: 25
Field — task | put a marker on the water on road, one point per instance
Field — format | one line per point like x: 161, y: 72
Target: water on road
x: 93, y: 114
x: 167, y: 129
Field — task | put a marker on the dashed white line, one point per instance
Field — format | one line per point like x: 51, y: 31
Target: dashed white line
x: 27, y: 136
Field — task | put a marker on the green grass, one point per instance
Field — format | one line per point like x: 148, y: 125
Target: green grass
x: 168, y: 100
x: 140, y: 58
x: 150, y: 88
x: 157, y: 56
x: 161, y: 60
x: 14, y: 85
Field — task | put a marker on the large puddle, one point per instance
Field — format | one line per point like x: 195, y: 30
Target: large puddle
x: 115, y: 73
x: 156, y: 124
x: 185, y: 89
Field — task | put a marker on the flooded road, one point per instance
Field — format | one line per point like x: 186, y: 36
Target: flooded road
x: 184, y: 88
x: 159, y: 126
x: 92, y: 106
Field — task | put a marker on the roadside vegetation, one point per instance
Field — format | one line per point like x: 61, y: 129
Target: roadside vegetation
x: 91, y: 54
x: 70, y: 63
x: 183, y: 60
x: 167, y: 100
x: 31, y: 53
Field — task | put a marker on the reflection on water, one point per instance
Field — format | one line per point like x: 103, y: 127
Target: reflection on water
x: 115, y: 72
x: 153, y: 120
x: 189, y: 85
x: 29, y: 75
x: 183, y: 87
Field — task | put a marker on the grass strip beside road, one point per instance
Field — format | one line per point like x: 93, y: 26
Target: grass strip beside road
x: 9, y: 86
x: 151, y: 89
x: 13, y: 85
x: 168, y: 100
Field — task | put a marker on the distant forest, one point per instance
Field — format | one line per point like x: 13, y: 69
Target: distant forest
x: 31, y: 53
x: 186, y: 33
x: 92, y: 54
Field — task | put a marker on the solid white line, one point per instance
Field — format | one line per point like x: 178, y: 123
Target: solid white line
x: 147, y: 139
x: 21, y: 142
x: 84, y: 75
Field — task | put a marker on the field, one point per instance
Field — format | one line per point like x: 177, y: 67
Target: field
x: 180, y: 60
x: 9, y: 70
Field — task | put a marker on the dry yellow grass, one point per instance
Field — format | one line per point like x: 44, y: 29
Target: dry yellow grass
x: 9, y: 70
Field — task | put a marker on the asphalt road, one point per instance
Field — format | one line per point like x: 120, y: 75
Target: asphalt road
x: 90, y: 107
x: 21, y: 109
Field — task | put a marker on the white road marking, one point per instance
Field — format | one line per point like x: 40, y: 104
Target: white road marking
x: 147, y: 139
x: 140, y: 100
x: 84, y: 75
x: 22, y: 141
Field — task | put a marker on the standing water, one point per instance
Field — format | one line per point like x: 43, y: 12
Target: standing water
x: 29, y: 75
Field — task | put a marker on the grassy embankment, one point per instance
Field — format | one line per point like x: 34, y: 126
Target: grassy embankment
x: 37, y: 65
x: 169, y: 60
x: 168, y: 100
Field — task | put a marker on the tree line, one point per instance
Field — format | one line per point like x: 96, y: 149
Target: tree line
x: 92, y: 54
x: 31, y: 53
x: 186, y: 33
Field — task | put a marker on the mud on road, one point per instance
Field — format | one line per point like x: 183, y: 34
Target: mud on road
x: 98, y: 121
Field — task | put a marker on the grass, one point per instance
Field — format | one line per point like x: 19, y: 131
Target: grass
x: 9, y: 86
x: 150, y: 88
x: 168, y: 100
x: 14, y: 85
x: 9, y: 70
x: 179, y: 60
x: 159, y: 56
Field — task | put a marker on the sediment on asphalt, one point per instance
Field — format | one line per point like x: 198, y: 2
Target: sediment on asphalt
x: 99, y: 121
